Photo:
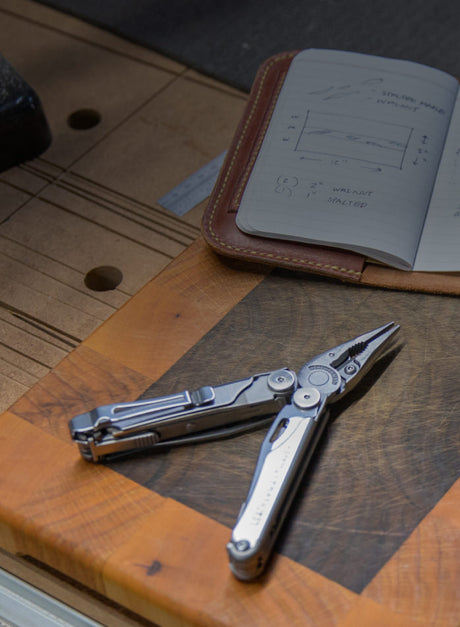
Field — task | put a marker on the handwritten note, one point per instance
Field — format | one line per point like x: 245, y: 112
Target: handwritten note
x: 351, y: 154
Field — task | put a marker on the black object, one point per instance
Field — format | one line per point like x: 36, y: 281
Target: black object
x: 24, y: 130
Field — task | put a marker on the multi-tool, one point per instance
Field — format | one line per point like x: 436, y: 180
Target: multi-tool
x: 301, y: 401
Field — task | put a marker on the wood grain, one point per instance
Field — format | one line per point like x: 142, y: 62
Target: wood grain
x: 422, y: 580
x: 166, y: 560
x: 80, y: 382
x: 164, y: 552
x: 143, y: 555
x: 48, y: 503
x: 364, y: 494
x: 366, y: 612
x: 90, y: 201
x: 187, y: 301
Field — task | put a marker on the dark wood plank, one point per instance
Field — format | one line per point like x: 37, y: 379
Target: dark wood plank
x: 390, y: 452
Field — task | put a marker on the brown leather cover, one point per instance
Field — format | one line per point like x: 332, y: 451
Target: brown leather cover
x: 219, y: 226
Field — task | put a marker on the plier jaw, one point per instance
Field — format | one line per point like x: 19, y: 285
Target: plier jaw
x: 337, y: 371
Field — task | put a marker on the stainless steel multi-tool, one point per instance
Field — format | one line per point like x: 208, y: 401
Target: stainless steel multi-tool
x: 301, y: 402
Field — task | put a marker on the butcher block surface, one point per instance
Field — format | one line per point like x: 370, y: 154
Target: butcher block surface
x: 373, y: 537
x: 150, y: 531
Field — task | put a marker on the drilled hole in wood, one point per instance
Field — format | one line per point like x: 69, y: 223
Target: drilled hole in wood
x: 84, y: 119
x: 103, y: 278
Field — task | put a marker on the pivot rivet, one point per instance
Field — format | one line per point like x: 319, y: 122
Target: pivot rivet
x: 281, y: 380
x: 306, y: 398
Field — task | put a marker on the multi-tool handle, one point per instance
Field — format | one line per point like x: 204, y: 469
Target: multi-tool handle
x: 283, y: 459
x: 206, y: 413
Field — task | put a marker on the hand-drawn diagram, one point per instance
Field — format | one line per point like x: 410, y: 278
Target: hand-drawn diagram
x: 350, y: 137
x: 285, y: 185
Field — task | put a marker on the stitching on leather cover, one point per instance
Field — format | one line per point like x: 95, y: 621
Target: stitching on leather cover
x: 305, y: 262
x: 224, y: 184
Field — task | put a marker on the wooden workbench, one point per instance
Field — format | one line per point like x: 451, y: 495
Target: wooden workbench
x: 382, y: 503
x: 373, y: 538
x: 90, y: 202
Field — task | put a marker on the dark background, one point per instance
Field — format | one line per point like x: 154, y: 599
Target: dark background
x: 229, y: 39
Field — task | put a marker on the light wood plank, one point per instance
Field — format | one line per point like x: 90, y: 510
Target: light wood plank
x: 422, y: 579
x: 48, y: 502
x: 12, y: 199
x: 82, y: 381
x: 79, y: 242
x: 95, y: 78
x: 155, y: 229
x: 72, y: 27
x: 90, y: 200
x: 175, y: 134
x: 184, y: 303
x: 174, y: 570
x: 37, y: 267
x: 367, y: 612
x: 136, y: 548
x: 29, y: 178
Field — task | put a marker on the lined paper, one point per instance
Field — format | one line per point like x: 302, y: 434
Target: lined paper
x: 351, y: 154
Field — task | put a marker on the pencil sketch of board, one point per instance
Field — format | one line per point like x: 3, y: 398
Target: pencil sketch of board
x: 349, y: 137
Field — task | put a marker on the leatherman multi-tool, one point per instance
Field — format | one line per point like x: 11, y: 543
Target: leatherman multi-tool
x: 301, y: 401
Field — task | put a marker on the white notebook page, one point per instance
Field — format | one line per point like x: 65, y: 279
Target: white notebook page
x: 439, y: 248
x: 351, y: 154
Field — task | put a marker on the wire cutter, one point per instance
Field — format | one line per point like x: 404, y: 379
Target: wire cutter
x: 300, y: 401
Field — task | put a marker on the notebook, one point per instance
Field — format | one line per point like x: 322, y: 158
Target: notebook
x: 362, y: 153
x: 345, y: 165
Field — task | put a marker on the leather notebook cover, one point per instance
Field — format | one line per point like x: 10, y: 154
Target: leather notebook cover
x: 219, y: 226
